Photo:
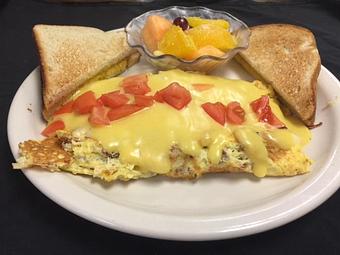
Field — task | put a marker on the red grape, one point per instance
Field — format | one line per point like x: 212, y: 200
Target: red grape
x: 181, y: 22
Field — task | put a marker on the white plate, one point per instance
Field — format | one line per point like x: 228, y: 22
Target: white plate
x: 214, y: 207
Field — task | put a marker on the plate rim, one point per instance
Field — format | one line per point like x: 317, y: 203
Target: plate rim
x: 286, y: 217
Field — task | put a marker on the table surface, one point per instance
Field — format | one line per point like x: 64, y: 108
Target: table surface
x: 32, y: 224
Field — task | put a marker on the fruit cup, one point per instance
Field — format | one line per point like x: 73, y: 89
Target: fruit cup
x: 203, y: 64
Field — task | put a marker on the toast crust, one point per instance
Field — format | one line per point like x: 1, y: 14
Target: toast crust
x: 286, y: 57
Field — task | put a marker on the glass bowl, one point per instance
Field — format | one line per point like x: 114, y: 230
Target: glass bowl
x: 203, y: 64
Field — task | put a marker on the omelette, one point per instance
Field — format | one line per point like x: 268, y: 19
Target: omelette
x: 169, y: 138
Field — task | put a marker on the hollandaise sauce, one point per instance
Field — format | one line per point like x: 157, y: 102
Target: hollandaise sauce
x: 146, y: 137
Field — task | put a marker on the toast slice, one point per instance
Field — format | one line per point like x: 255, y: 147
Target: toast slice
x: 72, y: 55
x: 286, y: 57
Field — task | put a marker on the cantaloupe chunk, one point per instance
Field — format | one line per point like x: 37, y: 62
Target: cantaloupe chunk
x: 153, y: 31
x: 207, y: 50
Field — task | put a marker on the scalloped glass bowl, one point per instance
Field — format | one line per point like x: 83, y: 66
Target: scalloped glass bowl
x: 203, y: 64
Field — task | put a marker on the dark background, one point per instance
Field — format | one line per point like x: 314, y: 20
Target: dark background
x: 32, y: 224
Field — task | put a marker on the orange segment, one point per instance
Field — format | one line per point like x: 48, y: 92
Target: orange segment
x: 177, y: 43
x: 207, y: 34
x: 197, y: 21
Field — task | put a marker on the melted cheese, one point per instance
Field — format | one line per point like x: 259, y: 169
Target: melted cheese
x: 145, y: 138
x: 255, y: 149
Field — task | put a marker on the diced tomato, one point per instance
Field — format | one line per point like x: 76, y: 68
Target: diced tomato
x: 202, y: 86
x: 114, y: 99
x: 66, y: 108
x: 99, y: 102
x: 175, y: 95
x: 137, y: 89
x: 138, y: 78
x: 85, y: 102
x: 99, y: 116
x: 216, y: 111
x: 136, y: 84
x: 123, y: 111
x: 260, y: 106
x: 144, y: 101
x: 273, y: 120
x: 53, y: 127
x: 234, y: 113
x: 264, y: 112
x: 158, y: 97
